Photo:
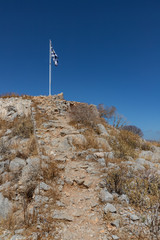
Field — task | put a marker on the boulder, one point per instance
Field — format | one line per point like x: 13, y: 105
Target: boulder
x: 109, y: 155
x: 5, y: 207
x: 99, y: 154
x: 77, y: 139
x: 134, y: 217
x: 116, y: 223
x: 17, y: 237
x: 105, y: 196
x: 110, y: 208
x: 102, y: 162
x: 143, y: 162
x: 60, y: 215
x: 146, y: 154
x: 103, y: 143
x: 124, y: 198
x: 102, y: 130
x: 16, y: 164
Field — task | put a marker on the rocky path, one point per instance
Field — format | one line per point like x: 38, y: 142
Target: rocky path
x: 78, y: 212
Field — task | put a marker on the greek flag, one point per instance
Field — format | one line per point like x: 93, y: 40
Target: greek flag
x: 54, y: 57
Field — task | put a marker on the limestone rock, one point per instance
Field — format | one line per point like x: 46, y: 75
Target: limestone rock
x: 146, y: 154
x: 134, y: 217
x: 103, y: 143
x: 142, y: 161
x: 115, y: 237
x: 17, y: 237
x: 41, y: 199
x: 124, y: 198
x: 77, y: 139
x: 102, y: 130
x: 16, y: 164
x: 105, y: 196
x: 109, y: 208
x: 59, y: 215
x: 116, y: 223
x: 44, y: 186
x: 5, y: 207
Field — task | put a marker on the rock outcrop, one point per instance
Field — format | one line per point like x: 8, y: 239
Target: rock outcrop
x: 57, y: 184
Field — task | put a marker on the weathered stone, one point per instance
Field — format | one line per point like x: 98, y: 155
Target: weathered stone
x: 115, y: 237
x: 103, y: 143
x: 16, y: 164
x: 142, y: 161
x: 68, y: 180
x: 87, y: 183
x: 134, y: 217
x: 29, y: 173
x: 102, y: 130
x: 109, y: 208
x: 59, y: 215
x: 90, y: 157
x: 99, y: 154
x: 109, y: 155
x: 17, y: 237
x: 5, y: 207
x: 12, y: 107
x: 116, y: 223
x: 44, y: 186
x: 77, y: 139
x: 102, y: 162
x: 146, y: 154
x: 64, y: 145
x: 124, y: 198
x: 3, y: 165
x: 33, y: 161
x: 105, y: 196
x: 41, y: 199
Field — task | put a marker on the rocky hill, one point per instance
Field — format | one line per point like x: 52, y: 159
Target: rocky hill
x: 66, y: 174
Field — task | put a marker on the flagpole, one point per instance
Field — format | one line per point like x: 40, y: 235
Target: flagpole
x: 49, y: 67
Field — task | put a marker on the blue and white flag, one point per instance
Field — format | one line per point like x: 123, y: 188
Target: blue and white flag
x: 54, y: 56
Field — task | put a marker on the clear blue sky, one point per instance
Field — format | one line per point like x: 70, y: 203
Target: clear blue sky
x: 109, y: 52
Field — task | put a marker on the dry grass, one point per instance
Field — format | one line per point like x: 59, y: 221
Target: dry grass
x: 84, y: 114
x: 22, y: 127
x: 142, y: 188
x: 154, y: 143
x: 49, y: 170
x: 15, y: 95
x: 124, y: 144
x: 9, y: 95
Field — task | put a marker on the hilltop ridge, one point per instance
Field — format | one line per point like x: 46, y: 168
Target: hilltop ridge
x: 67, y: 174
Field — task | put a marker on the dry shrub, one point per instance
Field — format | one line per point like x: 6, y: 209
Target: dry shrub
x: 84, y: 114
x: 32, y: 146
x: 49, y: 170
x: 143, y: 189
x: 133, y: 129
x: 9, y: 95
x: 124, y: 144
x: 155, y: 143
x: 22, y: 127
x: 91, y: 141
x: 3, y: 124
x: 146, y: 146
x: 3, y: 147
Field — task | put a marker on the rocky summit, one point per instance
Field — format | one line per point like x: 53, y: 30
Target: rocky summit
x: 66, y: 174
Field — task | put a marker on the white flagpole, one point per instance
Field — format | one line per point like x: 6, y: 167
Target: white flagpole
x: 49, y: 67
